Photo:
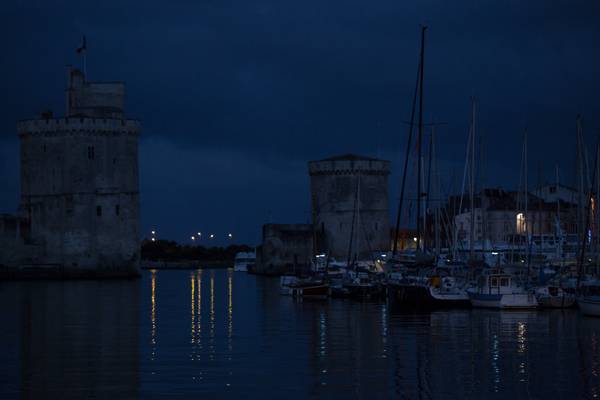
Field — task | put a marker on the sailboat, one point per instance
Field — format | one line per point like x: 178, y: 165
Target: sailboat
x: 554, y: 296
x: 362, y: 279
x: 495, y: 287
x: 588, y: 296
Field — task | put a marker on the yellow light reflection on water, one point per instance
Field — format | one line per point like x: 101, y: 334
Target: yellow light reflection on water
x: 153, y: 313
x: 229, y: 309
x: 196, y: 314
x: 212, y: 316
x: 193, y: 306
x: 521, y: 337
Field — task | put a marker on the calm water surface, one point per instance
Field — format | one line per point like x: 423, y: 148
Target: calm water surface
x: 216, y: 333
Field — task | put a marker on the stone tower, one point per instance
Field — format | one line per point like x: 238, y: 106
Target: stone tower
x: 79, y: 182
x: 335, y: 197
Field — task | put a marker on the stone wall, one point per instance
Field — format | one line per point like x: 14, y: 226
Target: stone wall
x: 286, y: 248
x: 339, y: 186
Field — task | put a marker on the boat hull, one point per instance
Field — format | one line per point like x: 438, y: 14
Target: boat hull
x: 564, y: 301
x: 311, y: 292
x: 363, y: 291
x: 419, y: 297
x: 589, y: 307
x: 503, y: 301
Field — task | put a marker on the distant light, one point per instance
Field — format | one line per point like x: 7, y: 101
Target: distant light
x: 212, y: 235
x: 384, y: 255
x: 153, y: 239
x: 199, y: 234
x: 193, y: 237
x: 154, y: 232
x: 494, y: 253
x: 415, y: 238
x: 230, y: 236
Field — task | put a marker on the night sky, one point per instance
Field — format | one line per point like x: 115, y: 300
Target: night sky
x: 236, y: 96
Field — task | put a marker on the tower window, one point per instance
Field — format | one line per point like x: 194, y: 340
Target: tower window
x: 90, y: 152
x: 117, y: 209
x: 99, y: 211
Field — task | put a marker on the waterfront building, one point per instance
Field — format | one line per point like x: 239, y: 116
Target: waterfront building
x: 350, y: 211
x: 79, y: 186
x: 349, y: 199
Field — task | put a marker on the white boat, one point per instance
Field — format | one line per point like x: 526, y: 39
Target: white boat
x: 243, y: 260
x: 589, y: 298
x: 496, y: 289
x: 554, y: 297
x: 448, y: 289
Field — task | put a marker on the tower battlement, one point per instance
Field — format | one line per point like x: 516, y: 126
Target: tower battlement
x: 349, y: 165
x: 66, y: 125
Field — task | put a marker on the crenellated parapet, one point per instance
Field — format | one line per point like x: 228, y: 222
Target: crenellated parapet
x: 78, y: 125
x: 349, y: 165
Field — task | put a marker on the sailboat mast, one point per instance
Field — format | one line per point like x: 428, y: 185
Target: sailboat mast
x: 420, y: 138
x: 580, y: 268
x: 406, y: 157
x: 558, y: 227
x: 596, y: 214
x: 428, y: 191
x: 472, y: 184
x: 526, y: 189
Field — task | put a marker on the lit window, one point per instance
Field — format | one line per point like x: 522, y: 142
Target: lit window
x: 521, y: 226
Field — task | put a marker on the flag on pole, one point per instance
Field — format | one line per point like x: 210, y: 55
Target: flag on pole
x: 83, y: 47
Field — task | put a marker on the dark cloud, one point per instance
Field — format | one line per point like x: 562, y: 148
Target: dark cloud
x: 264, y: 86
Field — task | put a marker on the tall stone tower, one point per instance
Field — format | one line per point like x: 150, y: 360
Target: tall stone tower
x: 79, y: 182
x: 340, y: 186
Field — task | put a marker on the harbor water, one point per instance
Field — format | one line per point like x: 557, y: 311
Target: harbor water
x: 225, y: 334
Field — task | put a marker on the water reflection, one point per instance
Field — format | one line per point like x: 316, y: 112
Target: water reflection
x: 230, y: 311
x: 77, y: 339
x: 153, y: 314
x: 212, y: 317
x: 81, y: 339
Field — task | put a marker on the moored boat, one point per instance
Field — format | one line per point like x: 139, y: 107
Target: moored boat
x: 244, y: 261
x: 496, y: 289
x: 427, y: 292
x: 554, y: 297
x: 588, y: 299
x: 309, y: 288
